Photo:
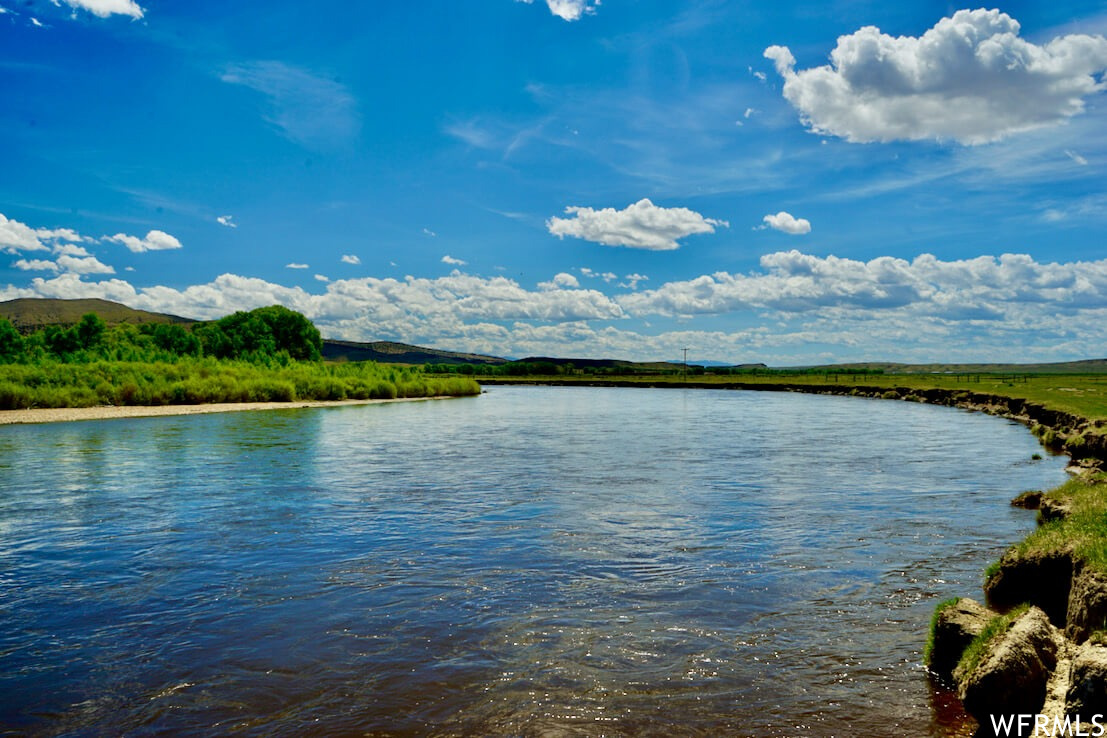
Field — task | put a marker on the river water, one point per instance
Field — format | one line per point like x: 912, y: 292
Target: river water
x: 534, y: 561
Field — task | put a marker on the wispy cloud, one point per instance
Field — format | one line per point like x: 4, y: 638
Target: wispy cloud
x: 1076, y: 158
x: 315, y: 112
x: 227, y: 220
x: 447, y: 259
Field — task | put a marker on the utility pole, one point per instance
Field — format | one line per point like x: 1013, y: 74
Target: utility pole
x: 685, y: 365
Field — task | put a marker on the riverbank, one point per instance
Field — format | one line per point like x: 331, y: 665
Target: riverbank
x: 114, y: 412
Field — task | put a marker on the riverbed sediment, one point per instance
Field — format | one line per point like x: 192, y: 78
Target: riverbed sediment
x: 112, y: 412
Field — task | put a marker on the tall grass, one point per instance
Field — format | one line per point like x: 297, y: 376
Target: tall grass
x: 205, y: 380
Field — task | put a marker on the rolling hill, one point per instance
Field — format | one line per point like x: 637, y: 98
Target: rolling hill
x: 399, y: 353
x: 30, y: 314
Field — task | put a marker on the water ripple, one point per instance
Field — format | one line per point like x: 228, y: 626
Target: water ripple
x: 533, y: 562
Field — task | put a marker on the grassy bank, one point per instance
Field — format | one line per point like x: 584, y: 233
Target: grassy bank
x: 1084, y: 395
x: 1073, y: 524
x: 1066, y: 412
x: 190, y: 381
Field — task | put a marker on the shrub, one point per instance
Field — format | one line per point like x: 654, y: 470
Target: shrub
x: 14, y: 396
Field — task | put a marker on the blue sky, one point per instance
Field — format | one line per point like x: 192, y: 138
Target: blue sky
x: 790, y: 183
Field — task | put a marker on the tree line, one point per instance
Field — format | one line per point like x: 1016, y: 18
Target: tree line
x: 271, y: 354
x: 265, y: 335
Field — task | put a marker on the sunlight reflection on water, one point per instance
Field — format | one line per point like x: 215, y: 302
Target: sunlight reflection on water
x: 535, y: 561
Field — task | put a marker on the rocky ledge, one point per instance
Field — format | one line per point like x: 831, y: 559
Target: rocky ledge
x: 1039, y: 647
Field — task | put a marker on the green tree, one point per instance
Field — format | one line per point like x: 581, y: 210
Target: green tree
x: 172, y: 338
x: 261, y: 333
x: 59, y: 341
x: 213, y: 340
x: 11, y: 343
x: 292, y: 332
x: 88, y: 334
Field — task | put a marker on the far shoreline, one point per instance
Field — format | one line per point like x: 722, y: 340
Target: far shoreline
x: 117, y: 412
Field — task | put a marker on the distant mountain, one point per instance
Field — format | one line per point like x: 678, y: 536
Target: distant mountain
x: 399, y: 353
x: 602, y: 363
x: 29, y: 314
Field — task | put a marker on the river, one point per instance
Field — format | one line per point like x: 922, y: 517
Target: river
x: 546, y: 561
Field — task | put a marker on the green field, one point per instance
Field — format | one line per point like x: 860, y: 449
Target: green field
x: 1083, y: 395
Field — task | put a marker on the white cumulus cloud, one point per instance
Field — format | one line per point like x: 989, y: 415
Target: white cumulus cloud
x: 970, y: 79
x: 35, y: 265
x: 155, y: 241
x: 562, y: 280
x: 16, y: 237
x: 642, y: 225
x: 83, y: 265
x: 570, y: 10
x: 797, y: 306
x: 787, y: 223
x: 984, y: 288
x: 351, y: 259
x: 447, y: 259
x: 104, y: 8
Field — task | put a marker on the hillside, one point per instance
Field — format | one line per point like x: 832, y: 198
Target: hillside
x: 29, y: 314
x: 399, y: 353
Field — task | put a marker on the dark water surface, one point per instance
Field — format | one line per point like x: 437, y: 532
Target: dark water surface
x: 535, y: 561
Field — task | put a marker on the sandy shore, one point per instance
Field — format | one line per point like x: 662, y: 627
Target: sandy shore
x: 110, y: 412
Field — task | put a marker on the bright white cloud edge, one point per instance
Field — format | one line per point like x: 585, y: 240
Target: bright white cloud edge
x: 787, y: 223
x: 641, y: 225
x: 569, y: 10
x: 970, y: 79
x: 105, y: 8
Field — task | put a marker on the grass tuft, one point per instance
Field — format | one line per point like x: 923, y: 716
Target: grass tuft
x: 928, y: 649
x: 996, y: 627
